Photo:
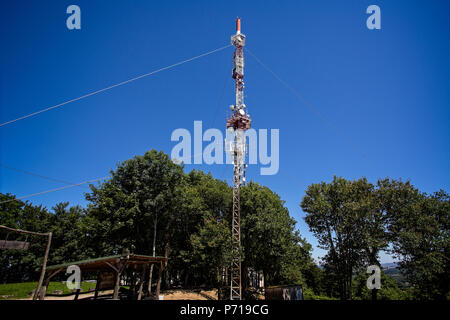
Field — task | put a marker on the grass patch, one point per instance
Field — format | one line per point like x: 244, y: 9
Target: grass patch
x: 308, y: 294
x: 22, y: 290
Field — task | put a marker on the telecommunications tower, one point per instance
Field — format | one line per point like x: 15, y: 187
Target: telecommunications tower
x: 237, y: 124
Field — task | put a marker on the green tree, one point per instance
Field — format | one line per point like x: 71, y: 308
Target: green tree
x: 202, y: 238
x: 212, y: 249
x: 313, y: 277
x: 19, y: 265
x: 355, y: 220
x: 142, y: 195
x: 268, y: 237
x: 69, y: 238
x: 420, y: 239
x: 335, y: 214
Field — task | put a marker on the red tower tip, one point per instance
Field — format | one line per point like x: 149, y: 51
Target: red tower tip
x: 238, y: 25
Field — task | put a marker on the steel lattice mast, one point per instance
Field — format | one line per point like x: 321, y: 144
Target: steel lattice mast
x: 238, y: 123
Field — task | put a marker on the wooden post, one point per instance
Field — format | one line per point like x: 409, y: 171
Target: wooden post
x: 120, y: 268
x: 43, y: 290
x: 141, y: 284
x: 96, y: 286
x: 155, y: 222
x: 44, y: 266
x: 77, y: 294
x: 116, y: 285
x: 149, y: 288
x: 158, y: 285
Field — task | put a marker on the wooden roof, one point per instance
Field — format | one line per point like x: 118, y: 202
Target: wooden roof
x: 102, y: 262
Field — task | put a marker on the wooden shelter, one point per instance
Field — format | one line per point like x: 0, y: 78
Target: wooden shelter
x: 105, y: 266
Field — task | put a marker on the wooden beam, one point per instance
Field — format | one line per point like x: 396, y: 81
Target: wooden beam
x: 54, y: 273
x: 23, y: 231
x: 111, y: 266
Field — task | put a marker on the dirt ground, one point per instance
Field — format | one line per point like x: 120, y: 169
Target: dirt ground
x: 189, y: 295
x: 167, y: 295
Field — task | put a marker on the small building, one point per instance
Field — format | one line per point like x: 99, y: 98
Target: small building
x: 294, y: 292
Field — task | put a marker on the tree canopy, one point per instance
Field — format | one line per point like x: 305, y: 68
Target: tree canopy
x: 151, y: 206
x: 354, y: 220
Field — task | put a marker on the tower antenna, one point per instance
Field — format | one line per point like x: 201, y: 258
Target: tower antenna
x: 237, y: 123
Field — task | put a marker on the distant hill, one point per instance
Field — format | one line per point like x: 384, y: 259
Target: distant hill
x: 392, y: 270
x: 389, y: 265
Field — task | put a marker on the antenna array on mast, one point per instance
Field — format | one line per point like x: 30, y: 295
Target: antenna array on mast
x: 237, y: 123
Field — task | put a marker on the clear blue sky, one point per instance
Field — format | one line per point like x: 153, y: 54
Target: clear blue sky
x: 386, y: 90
